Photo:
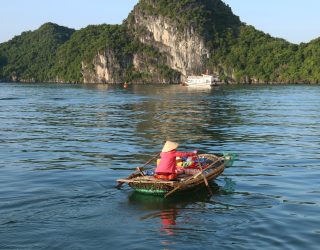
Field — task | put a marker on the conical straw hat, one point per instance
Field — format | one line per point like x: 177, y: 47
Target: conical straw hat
x: 169, y: 145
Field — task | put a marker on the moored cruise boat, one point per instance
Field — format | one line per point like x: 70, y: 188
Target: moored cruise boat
x: 205, y: 80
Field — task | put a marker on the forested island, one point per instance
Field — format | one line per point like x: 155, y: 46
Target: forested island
x: 161, y: 41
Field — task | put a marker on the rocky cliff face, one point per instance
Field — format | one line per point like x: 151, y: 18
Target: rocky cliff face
x: 185, y: 50
x: 185, y: 34
x: 139, y: 67
x: 106, y: 67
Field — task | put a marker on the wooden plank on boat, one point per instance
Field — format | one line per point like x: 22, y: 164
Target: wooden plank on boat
x: 147, y: 181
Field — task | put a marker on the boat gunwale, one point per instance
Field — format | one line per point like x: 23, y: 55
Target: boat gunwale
x: 191, y: 182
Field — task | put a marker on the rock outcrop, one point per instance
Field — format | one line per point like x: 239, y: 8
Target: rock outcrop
x: 185, y: 50
x: 180, y: 51
x: 107, y: 68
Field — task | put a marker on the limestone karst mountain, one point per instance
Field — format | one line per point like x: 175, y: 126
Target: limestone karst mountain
x: 161, y: 41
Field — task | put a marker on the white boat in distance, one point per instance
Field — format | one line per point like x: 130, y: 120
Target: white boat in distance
x: 205, y: 80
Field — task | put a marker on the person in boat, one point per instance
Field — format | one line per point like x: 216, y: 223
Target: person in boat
x: 167, y: 168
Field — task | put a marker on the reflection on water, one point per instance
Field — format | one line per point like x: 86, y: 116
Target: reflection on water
x: 168, y: 219
x: 196, y: 115
x: 63, y: 146
x: 229, y: 186
x: 166, y: 210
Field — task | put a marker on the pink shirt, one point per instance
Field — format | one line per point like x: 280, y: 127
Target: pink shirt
x: 168, y: 163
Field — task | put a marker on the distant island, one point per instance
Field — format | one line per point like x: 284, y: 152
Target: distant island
x: 161, y: 41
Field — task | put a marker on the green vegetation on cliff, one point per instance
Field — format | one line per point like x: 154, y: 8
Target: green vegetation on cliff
x: 254, y: 56
x: 309, y: 55
x: 31, y: 56
x: 55, y: 53
x: 85, y: 44
x: 108, y: 40
x: 209, y: 16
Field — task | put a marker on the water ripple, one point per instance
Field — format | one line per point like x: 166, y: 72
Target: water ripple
x: 63, y: 146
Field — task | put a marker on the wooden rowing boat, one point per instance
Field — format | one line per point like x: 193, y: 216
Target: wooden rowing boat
x: 212, y: 167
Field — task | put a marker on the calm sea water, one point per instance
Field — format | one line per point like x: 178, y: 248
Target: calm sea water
x: 63, y: 146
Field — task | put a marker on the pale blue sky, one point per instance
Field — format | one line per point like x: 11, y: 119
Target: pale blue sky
x: 294, y: 20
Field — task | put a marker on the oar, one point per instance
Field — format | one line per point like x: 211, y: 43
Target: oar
x: 192, y: 177
x: 139, y: 169
x: 204, y: 177
x: 182, y: 184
